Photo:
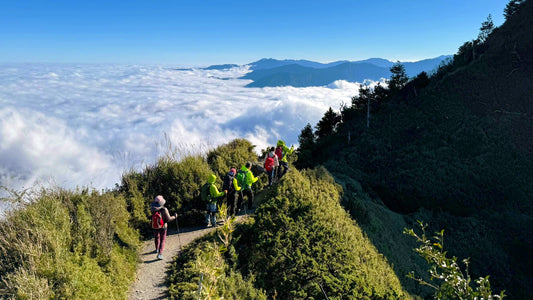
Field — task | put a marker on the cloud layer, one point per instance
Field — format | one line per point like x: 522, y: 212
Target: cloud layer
x: 83, y: 125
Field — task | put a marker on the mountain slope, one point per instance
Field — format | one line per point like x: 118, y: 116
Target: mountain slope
x: 459, y: 156
x: 304, y: 73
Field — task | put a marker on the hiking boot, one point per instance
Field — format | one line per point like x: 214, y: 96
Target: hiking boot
x: 159, y: 256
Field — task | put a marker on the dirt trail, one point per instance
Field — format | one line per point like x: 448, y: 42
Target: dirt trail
x: 150, y: 277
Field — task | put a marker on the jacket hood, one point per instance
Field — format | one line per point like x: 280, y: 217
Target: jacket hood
x: 280, y: 143
x: 244, y: 168
x: 212, y: 178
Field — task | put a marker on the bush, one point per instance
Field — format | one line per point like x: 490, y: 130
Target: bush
x: 68, y: 245
x: 453, y: 283
x: 303, y: 235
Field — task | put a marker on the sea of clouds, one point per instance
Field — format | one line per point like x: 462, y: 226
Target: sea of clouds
x: 84, y: 125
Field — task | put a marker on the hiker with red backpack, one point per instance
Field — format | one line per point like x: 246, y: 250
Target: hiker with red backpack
x: 270, y: 164
x: 245, y: 179
x: 210, y: 195
x: 160, y: 219
x: 281, y: 152
x: 230, y: 187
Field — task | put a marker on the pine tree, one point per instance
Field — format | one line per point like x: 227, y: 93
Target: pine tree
x: 512, y: 7
x: 306, y: 139
x: 485, y: 30
x: 328, y: 124
x: 398, y: 78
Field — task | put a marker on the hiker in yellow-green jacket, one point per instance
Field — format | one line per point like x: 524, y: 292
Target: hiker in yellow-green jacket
x: 210, y: 195
x: 245, y: 179
x: 281, y: 152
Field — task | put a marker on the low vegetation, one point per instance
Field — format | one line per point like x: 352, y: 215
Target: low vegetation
x: 68, y: 245
x: 301, y: 234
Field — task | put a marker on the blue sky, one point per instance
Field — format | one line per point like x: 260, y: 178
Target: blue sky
x: 204, y: 32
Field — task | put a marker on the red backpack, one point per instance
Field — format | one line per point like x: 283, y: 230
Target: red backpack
x: 269, y: 163
x: 157, y: 220
x: 279, y: 152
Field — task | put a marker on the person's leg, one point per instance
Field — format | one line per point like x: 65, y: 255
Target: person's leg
x: 207, y: 215
x: 162, y: 237
x: 250, y: 196
x: 231, y: 203
x: 285, y: 166
x: 213, y: 214
x: 239, y: 202
x: 156, y: 240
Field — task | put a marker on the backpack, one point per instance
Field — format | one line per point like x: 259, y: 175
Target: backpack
x: 269, y: 163
x: 279, y: 152
x: 157, y: 220
x: 241, y: 178
x: 205, y: 192
x: 228, y: 183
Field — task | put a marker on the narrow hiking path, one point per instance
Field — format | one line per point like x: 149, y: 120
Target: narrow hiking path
x: 150, y: 278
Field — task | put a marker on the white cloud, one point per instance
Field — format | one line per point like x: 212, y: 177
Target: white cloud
x: 85, y: 124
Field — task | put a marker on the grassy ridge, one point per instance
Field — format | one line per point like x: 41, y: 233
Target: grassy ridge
x: 302, y: 235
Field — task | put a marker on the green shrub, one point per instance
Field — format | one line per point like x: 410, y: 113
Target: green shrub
x: 303, y: 236
x: 451, y: 281
x: 201, y: 272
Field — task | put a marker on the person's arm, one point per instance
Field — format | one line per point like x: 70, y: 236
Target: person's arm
x: 214, y: 192
x: 287, y: 150
x: 250, y: 178
x: 167, y: 215
x: 236, y: 184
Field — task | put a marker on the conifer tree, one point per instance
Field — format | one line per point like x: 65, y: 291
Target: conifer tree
x: 512, y: 7
x: 398, y: 78
x: 306, y: 139
x: 485, y: 30
x: 328, y: 124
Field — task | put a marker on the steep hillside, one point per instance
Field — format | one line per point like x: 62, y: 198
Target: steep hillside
x: 459, y: 155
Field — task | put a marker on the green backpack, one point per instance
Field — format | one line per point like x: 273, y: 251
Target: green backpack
x: 205, y: 192
x: 241, y: 179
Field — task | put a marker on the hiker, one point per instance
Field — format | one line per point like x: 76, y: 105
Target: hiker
x: 210, y: 195
x: 230, y: 187
x: 271, y: 161
x: 281, y: 152
x: 160, y: 219
x: 245, y: 179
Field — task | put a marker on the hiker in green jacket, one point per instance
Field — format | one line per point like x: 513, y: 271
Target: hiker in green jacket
x: 211, y: 199
x: 245, y: 179
x: 281, y: 152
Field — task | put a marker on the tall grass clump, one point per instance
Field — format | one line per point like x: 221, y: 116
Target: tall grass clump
x: 68, y: 245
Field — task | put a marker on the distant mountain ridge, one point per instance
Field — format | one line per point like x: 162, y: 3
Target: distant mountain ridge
x: 269, y: 72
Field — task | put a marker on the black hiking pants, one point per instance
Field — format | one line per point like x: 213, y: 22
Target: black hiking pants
x: 249, y: 194
x: 231, y: 199
x: 283, y: 168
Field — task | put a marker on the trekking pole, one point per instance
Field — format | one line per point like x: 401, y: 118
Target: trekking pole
x: 178, y: 228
